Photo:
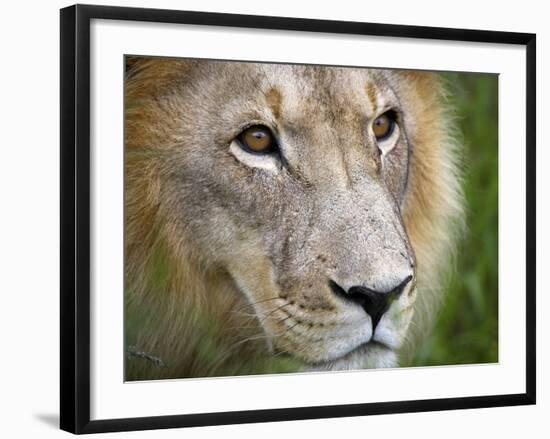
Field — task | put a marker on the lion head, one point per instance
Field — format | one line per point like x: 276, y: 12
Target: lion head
x: 307, y: 211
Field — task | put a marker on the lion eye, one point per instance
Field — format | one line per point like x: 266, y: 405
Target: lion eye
x: 257, y: 139
x: 383, y: 125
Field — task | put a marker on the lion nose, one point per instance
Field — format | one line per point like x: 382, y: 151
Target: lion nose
x: 375, y: 303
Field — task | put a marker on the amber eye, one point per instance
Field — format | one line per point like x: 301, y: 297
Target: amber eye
x: 257, y: 139
x: 383, y: 125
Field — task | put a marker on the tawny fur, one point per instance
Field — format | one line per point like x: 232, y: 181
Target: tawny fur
x: 188, y: 308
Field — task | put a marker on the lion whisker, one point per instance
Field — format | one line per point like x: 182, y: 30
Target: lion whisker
x: 241, y: 313
x: 265, y: 316
x: 257, y: 337
x: 260, y: 301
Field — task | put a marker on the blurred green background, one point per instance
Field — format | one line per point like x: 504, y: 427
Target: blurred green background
x: 467, y: 327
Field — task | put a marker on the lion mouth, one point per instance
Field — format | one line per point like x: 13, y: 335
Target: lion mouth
x: 365, y: 348
x: 368, y: 355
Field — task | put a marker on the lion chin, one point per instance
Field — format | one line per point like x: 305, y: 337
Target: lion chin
x: 371, y: 355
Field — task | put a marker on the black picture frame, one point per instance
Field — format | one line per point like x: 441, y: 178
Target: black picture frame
x: 75, y: 217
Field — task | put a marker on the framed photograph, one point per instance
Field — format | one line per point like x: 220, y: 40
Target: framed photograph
x: 268, y: 218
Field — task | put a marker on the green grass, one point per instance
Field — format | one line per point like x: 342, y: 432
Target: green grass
x: 467, y: 327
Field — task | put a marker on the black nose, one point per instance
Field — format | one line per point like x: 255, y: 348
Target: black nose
x: 375, y: 303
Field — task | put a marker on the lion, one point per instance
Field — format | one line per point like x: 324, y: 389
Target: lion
x: 283, y: 218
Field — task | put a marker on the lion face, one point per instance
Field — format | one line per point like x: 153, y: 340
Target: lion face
x: 292, y: 180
